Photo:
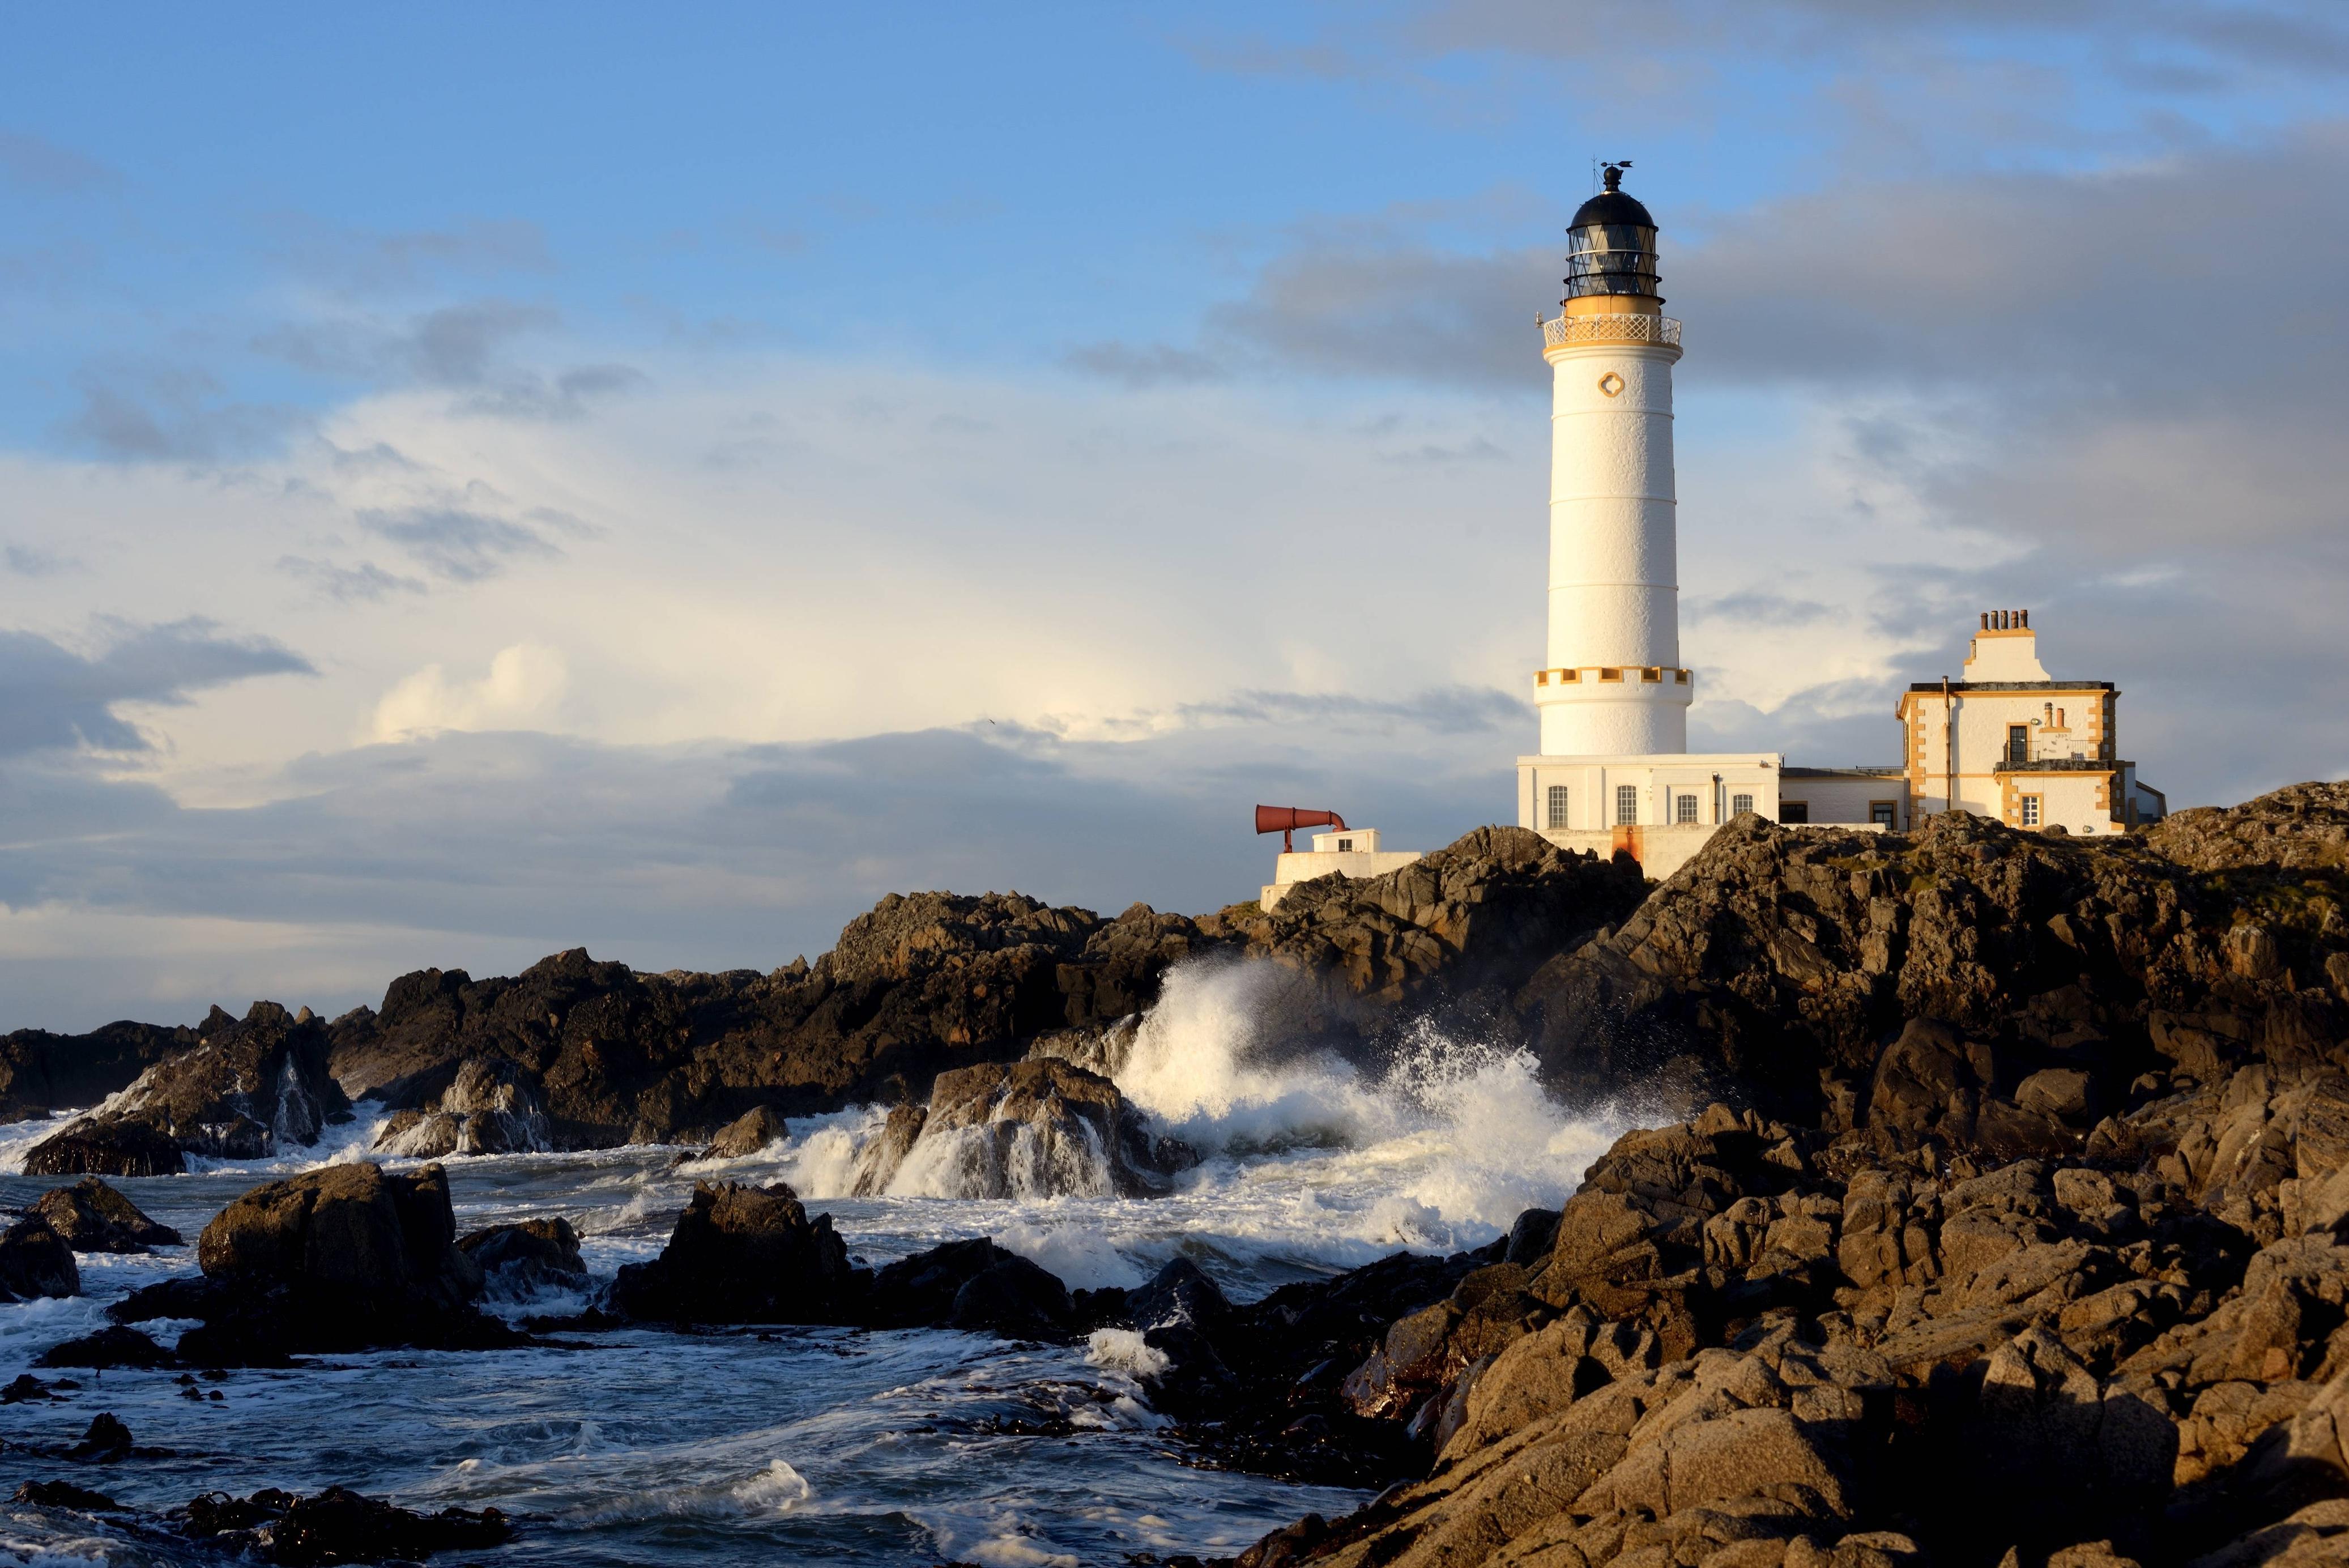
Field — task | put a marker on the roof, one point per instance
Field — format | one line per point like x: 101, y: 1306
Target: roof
x: 1850, y: 773
x: 2016, y: 686
x: 1610, y: 207
x: 2062, y: 765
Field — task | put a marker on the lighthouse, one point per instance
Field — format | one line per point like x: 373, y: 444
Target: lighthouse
x: 1613, y: 683
x: 1614, y: 771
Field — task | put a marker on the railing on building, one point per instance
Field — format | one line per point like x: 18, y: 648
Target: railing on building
x: 1610, y: 329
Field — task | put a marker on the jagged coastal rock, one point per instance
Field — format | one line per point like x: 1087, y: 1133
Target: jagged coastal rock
x: 2003, y: 1213
x: 1021, y: 1129
x: 493, y: 1106
x: 246, y: 1086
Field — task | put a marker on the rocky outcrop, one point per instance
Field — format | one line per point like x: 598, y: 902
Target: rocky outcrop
x: 744, y: 1254
x: 35, y: 1261
x: 921, y: 984
x: 526, y: 1257
x: 1477, y: 918
x: 1743, y: 1335
x: 1038, y: 1129
x: 94, y: 1218
x: 247, y: 1087
x: 1777, y: 964
x: 2301, y: 828
x: 41, y: 1072
x: 347, y: 1257
x: 493, y: 1106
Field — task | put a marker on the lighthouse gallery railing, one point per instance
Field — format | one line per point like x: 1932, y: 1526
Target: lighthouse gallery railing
x: 1611, y: 329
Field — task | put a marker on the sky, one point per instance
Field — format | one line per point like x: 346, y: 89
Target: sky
x: 482, y: 481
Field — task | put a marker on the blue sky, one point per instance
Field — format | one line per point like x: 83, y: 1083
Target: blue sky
x: 695, y: 473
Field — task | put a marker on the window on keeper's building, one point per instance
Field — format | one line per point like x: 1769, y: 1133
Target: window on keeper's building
x: 1793, y: 810
x: 1738, y: 802
x: 1684, y: 809
x: 1626, y: 804
x: 1885, y: 812
x: 2018, y: 743
x: 2030, y: 811
x: 1557, y: 806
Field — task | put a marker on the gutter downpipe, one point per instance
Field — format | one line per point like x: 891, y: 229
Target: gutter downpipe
x: 1949, y: 748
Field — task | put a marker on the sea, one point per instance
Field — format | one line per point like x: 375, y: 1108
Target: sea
x: 781, y: 1445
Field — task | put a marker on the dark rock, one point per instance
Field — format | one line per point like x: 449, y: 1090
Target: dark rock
x: 918, y: 985
x: 878, y: 1161
x: 113, y: 1148
x: 1180, y: 1293
x: 94, y: 1218
x: 740, y: 1254
x: 528, y: 1256
x: 493, y: 1105
x: 1013, y: 1297
x: 105, y: 1438
x: 24, y: 1390
x: 347, y: 1257
x: 340, y: 1525
x: 1531, y: 1237
x: 748, y: 1133
x: 247, y: 1087
x: 921, y: 1291
x: 2300, y: 827
x: 64, y: 1494
x: 112, y: 1346
x: 35, y: 1261
x: 41, y: 1072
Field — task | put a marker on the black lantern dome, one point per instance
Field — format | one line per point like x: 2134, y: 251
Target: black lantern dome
x: 1611, y: 246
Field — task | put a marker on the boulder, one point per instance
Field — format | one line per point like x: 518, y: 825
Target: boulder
x: 35, y: 1261
x: 528, y: 1256
x: 747, y: 1134
x: 1041, y: 1128
x: 337, y: 1526
x: 247, y: 1087
x: 744, y: 1254
x: 1013, y: 1297
x: 347, y: 1257
x: 921, y: 1291
x: 94, y: 1218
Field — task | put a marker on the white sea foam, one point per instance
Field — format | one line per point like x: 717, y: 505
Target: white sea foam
x: 1124, y: 1350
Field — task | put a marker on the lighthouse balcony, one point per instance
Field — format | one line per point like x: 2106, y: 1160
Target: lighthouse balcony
x: 1626, y: 328
x: 1613, y: 674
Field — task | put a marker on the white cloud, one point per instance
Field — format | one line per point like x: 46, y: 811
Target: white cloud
x: 522, y: 691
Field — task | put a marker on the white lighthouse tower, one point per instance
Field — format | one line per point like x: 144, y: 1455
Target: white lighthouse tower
x: 1612, y: 693
x: 1614, y: 568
